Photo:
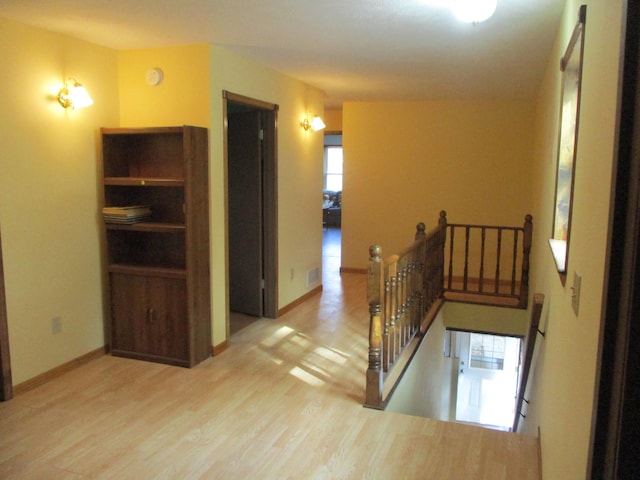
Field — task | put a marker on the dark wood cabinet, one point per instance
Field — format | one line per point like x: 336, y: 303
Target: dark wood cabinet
x: 158, y: 267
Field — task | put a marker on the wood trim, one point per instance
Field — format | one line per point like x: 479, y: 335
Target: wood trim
x: 56, y: 372
x: 614, y: 435
x: 6, y: 389
x: 234, y: 97
x: 353, y: 270
x: 530, y: 345
x: 302, y: 299
x: 485, y: 281
x: 486, y: 332
x: 270, y: 212
x: 269, y: 119
x: 221, y: 347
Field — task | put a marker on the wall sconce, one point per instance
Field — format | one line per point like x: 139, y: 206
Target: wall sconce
x: 315, y: 124
x: 73, y: 95
x: 473, y: 11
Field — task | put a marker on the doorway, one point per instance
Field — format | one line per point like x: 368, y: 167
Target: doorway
x: 332, y: 206
x: 487, y: 379
x: 251, y: 192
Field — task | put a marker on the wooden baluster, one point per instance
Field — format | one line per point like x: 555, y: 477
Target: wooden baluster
x: 373, y: 393
x: 465, y: 277
x: 409, y: 294
x: 441, y: 242
x: 386, y: 344
x: 416, y: 301
x: 515, y: 259
x: 497, y: 285
x: 401, y: 304
x: 452, y: 239
x: 420, y: 270
x: 393, y: 309
x: 400, y: 307
x: 482, y: 246
x: 526, y: 250
x: 405, y: 301
x: 407, y: 297
x: 428, y: 274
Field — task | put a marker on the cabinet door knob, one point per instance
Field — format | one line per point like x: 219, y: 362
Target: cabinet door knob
x: 150, y: 313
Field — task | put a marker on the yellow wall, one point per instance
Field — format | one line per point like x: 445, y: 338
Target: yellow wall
x: 49, y: 195
x: 191, y: 93
x: 426, y: 394
x: 333, y: 120
x: 406, y: 161
x: 300, y: 157
x: 561, y: 398
x: 50, y: 190
x: 504, y: 168
x: 181, y: 99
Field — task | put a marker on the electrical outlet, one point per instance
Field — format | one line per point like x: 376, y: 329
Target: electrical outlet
x: 56, y: 325
x: 575, y: 292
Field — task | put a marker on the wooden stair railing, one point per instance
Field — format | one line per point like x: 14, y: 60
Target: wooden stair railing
x: 527, y: 362
x: 405, y: 291
x: 470, y: 266
x: 401, y: 289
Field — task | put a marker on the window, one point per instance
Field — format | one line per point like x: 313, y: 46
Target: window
x: 333, y: 168
x: 487, y: 351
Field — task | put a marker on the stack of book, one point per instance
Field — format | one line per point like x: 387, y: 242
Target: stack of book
x: 129, y: 214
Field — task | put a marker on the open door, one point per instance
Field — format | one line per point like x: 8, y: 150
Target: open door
x: 245, y: 212
x: 251, y: 211
x: 487, y: 379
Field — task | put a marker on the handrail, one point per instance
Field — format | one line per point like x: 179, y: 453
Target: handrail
x: 482, y: 287
x: 401, y: 289
x: 405, y: 290
x: 534, y: 330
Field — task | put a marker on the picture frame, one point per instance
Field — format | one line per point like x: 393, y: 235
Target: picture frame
x: 571, y: 67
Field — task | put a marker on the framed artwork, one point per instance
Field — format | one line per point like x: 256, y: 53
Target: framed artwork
x: 571, y: 67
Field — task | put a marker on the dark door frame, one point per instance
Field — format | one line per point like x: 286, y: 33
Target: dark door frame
x: 615, y: 439
x: 6, y: 385
x: 270, y: 203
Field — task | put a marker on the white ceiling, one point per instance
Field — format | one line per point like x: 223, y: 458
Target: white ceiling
x: 350, y: 49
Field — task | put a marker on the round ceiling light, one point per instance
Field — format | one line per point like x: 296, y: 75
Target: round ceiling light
x: 473, y: 11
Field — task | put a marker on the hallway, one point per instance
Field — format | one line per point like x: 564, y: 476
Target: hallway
x: 283, y: 401
x: 331, y: 251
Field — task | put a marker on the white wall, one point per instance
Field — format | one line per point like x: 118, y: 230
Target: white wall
x: 420, y: 391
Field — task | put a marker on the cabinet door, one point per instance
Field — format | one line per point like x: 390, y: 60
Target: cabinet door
x: 149, y: 317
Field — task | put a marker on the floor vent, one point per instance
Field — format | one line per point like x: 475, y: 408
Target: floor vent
x: 313, y: 276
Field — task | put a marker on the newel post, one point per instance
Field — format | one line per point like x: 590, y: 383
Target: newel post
x: 526, y: 250
x: 374, y: 298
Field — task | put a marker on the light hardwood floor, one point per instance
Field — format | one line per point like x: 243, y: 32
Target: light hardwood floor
x: 284, y: 401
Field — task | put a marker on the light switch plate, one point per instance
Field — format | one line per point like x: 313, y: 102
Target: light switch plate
x: 575, y: 292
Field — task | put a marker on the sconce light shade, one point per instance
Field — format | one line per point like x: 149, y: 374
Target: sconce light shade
x: 315, y: 124
x: 473, y: 11
x: 73, y: 95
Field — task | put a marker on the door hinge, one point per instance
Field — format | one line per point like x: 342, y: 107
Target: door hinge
x: 261, y: 134
x: 262, y: 284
